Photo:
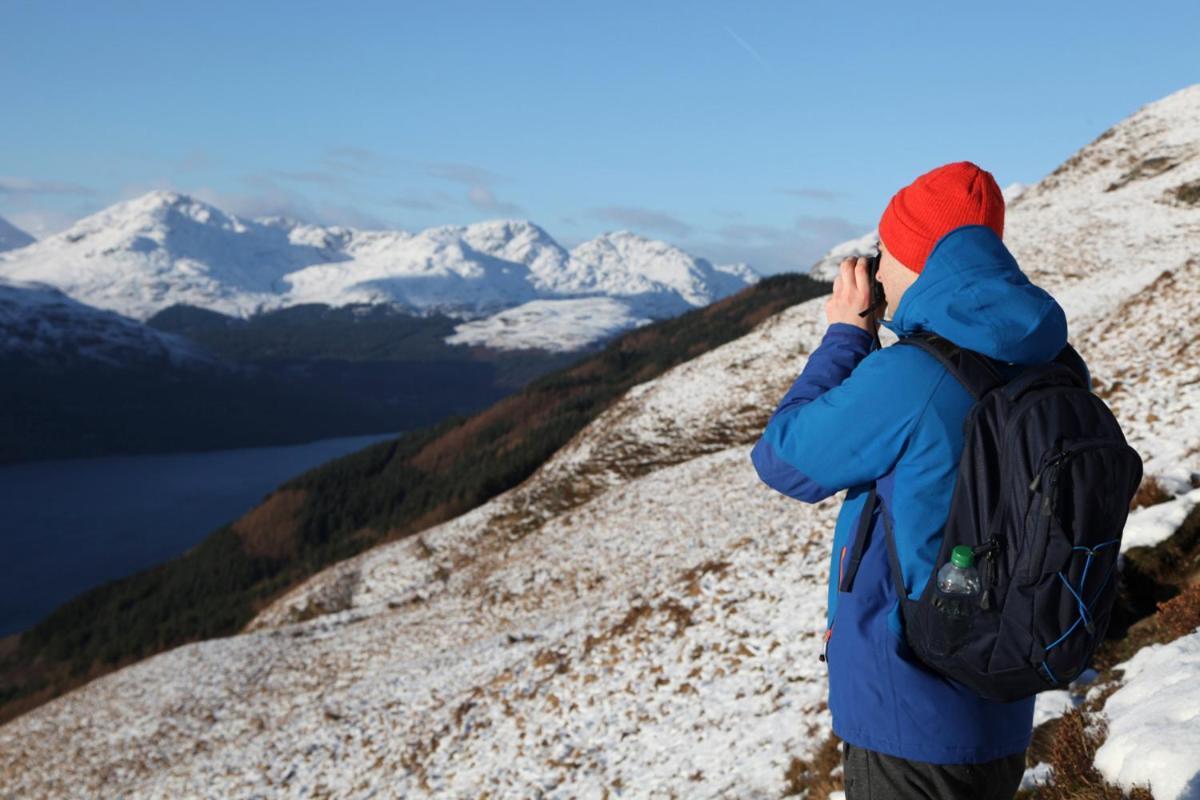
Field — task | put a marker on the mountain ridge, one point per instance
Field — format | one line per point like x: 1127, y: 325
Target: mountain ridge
x: 166, y: 248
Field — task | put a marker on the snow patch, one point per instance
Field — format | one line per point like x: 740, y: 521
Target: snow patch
x: 1150, y: 525
x: 555, y: 325
x: 1154, y: 722
x: 1036, y: 777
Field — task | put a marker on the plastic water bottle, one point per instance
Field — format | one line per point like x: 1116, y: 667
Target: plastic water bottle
x: 957, y: 583
x: 958, y: 575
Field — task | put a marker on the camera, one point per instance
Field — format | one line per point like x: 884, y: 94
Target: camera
x: 878, y: 298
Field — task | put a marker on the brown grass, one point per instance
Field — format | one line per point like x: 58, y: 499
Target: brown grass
x: 1147, y: 168
x: 1188, y: 193
x: 524, y: 411
x: 679, y: 614
x: 1071, y: 754
x: 269, y: 530
x: 1174, y: 561
x: 1180, y: 615
x: 634, y: 615
x: 1149, y: 493
x: 691, y: 576
x: 810, y: 778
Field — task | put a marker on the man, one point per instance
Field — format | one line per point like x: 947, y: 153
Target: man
x: 860, y: 415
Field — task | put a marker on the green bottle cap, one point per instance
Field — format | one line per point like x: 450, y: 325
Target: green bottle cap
x: 962, y: 556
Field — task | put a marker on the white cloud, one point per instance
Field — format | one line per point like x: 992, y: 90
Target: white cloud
x: 479, y: 182
x: 642, y: 219
x: 26, y: 187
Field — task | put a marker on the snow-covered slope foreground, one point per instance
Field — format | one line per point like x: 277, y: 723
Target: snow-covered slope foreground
x: 1154, y: 721
x: 164, y: 248
x: 641, y: 617
x: 40, y: 323
x: 663, y: 632
x: 12, y: 237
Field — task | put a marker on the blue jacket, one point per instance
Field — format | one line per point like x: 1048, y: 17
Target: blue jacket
x: 858, y: 415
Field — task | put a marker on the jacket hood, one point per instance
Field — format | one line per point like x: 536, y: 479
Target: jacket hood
x: 972, y: 292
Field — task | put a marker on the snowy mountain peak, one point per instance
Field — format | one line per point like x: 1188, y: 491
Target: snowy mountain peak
x: 154, y: 215
x: 505, y: 229
x: 629, y: 242
x: 163, y: 207
x: 161, y: 198
x: 12, y: 237
x: 520, y: 241
x: 165, y: 248
x: 162, y: 248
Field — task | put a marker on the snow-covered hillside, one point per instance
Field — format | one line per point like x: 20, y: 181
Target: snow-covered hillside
x: 642, y: 616
x: 40, y: 323
x: 555, y: 325
x: 12, y: 237
x: 165, y: 248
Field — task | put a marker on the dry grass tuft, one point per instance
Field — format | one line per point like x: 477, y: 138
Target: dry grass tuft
x: 1187, y: 194
x: 335, y: 596
x: 811, y: 778
x: 1180, y: 615
x: 1147, y: 168
x: 1150, y: 493
x: 1071, y: 752
x: 691, y: 577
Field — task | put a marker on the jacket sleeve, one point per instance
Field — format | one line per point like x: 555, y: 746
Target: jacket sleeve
x: 845, y: 420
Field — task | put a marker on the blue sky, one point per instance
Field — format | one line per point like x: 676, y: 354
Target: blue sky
x: 763, y: 132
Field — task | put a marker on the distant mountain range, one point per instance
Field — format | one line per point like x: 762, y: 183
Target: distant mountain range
x: 164, y: 322
x: 163, y: 249
x: 12, y: 237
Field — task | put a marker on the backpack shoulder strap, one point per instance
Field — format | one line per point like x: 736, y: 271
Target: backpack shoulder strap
x: 973, y: 370
x: 1067, y: 369
x: 1071, y: 359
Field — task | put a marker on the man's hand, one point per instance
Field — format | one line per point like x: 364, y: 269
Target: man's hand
x: 851, y: 294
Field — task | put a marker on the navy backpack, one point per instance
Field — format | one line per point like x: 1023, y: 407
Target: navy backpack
x: 1041, y: 496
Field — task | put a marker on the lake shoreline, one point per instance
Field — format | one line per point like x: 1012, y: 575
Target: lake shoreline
x: 73, y: 524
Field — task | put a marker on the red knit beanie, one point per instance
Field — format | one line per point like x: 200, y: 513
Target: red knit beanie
x: 936, y: 203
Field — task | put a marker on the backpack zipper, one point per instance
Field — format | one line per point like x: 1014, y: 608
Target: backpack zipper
x: 1037, y: 478
x: 1064, y: 453
x: 1067, y: 449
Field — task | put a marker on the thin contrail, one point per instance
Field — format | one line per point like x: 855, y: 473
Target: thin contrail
x: 746, y: 46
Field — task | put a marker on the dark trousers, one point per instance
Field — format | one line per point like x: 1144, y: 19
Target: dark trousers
x: 871, y: 775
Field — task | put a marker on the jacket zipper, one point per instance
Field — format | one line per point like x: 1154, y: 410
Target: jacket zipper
x: 824, y: 656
